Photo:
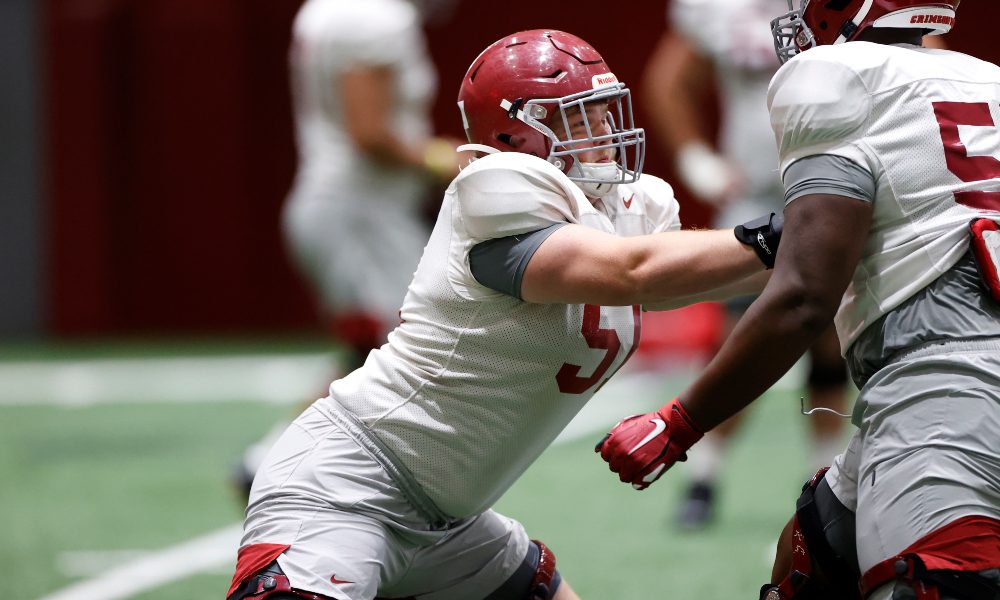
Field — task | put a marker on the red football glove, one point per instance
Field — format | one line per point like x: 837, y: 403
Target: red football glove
x: 640, y: 448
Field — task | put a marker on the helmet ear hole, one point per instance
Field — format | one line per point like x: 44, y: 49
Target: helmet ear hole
x: 510, y: 140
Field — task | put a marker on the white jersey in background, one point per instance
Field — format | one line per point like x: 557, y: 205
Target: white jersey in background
x: 333, y: 36
x: 736, y: 36
x: 475, y: 384
x: 354, y: 225
x: 924, y: 123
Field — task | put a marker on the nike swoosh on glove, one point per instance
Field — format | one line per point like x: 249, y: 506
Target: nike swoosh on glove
x: 642, y: 447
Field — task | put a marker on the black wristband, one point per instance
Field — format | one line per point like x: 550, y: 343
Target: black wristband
x: 763, y: 235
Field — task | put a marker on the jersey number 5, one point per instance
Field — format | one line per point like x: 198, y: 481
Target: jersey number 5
x: 968, y: 168
x: 568, y: 377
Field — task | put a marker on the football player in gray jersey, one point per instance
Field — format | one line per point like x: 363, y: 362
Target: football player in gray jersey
x: 889, y: 157
x: 528, y: 297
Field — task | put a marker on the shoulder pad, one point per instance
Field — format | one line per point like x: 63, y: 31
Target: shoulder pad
x: 817, y: 100
x: 510, y: 193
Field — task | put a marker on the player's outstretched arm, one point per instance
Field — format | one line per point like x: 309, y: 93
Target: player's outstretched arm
x: 578, y: 264
x: 747, y: 286
x: 822, y: 244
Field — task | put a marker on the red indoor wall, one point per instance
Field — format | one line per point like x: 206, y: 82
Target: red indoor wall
x: 170, y: 151
x: 170, y: 148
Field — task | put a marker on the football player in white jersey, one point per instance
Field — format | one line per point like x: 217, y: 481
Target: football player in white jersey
x: 527, y: 298
x: 362, y: 88
x: 890, y: 156
x: 728, y: 42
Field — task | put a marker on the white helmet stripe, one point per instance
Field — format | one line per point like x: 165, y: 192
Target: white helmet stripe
x: 858, y: 18
x: 465, y: 119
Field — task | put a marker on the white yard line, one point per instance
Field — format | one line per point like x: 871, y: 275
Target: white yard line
x: 285, y: 378
x: 211, y: 551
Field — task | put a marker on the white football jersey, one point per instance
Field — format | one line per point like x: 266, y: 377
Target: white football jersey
x: 924, y: 123
x: 736, y: 36
x: 474, y: 384
x: 333, y: 36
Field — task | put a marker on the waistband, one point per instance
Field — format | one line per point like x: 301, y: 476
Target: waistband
x: 938, y: 347
x: 408, y: 485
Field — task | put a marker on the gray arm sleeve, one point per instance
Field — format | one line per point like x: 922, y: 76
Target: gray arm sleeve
x: 828, y: 174
x: 499, y: 264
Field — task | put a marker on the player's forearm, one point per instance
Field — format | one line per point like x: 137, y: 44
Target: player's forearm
x: 772, y: 335
x: 580, y: 265
x: 385, y: 149
x: 743, y: 287
x: 367, y: 98
x: 680, y: 264
x: 436, y: 156
x: 823, y: 241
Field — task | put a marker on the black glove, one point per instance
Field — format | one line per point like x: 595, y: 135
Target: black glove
x: 763, y: 235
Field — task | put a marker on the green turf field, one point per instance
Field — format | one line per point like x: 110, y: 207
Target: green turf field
x: 99, y: 488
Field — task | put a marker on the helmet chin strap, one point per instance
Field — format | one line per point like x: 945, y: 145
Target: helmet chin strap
x: 596, y: 180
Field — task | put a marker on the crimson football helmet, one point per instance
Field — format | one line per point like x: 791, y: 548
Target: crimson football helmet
x: 519, y: 86
x: 825, y: 22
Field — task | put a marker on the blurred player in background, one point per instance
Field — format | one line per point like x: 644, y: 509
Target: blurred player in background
x: 728, y: 43
x: 362, y: 88
x: 890, y: 156
x: 526, y: 300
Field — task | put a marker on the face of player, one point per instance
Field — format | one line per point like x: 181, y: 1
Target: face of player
x: 596, y: 115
